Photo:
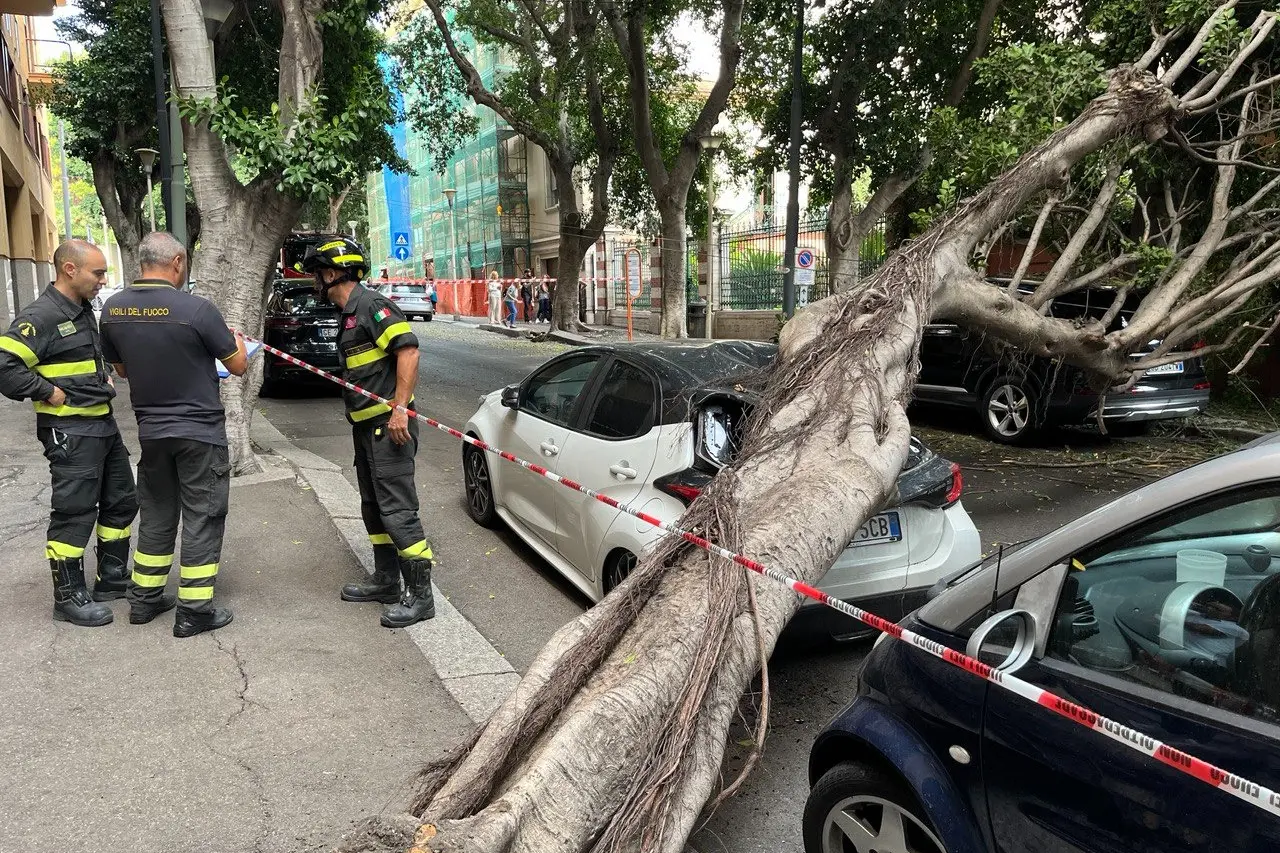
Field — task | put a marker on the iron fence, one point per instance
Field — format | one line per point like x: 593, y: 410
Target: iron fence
x: 751, y: 265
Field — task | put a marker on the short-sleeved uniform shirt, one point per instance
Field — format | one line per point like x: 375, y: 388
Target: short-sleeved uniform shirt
x: 167, y: 340
x: 372, y: 329
x: 54, y: 341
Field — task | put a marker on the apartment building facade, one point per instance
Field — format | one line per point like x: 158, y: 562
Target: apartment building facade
x: 27, y: 230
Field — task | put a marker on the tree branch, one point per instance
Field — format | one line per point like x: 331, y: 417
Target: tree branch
x: 1076, y: 245
x: 1261, y: 28
x: 1032, y: 243
x: 1262, y: 339
x: 1192, y: 51
x: 978, y: 47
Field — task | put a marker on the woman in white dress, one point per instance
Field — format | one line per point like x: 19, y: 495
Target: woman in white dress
x: 495, y: 297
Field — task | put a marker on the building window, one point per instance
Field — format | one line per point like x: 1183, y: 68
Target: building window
x: 553, y: 188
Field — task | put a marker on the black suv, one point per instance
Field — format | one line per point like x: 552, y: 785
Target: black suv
x: 1015, y: 394
x: 298, y: 323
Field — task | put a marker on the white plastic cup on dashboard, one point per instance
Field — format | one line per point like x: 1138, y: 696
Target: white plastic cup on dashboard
x: 1197, y: 566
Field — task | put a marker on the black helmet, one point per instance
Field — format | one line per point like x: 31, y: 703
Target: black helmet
x: 338, y: 253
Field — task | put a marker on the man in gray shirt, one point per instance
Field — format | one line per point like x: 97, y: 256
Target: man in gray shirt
x: 164, y: 341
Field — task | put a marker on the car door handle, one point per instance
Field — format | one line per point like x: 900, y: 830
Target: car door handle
x: 549, y: 448
x: 623, y: 471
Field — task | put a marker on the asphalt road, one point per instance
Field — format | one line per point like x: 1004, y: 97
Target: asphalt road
x: 517, y: 601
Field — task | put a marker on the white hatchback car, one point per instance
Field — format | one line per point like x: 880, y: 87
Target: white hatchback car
x: 649, y: 425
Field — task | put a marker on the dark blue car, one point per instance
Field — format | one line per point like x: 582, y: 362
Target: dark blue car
x: 1160, y: 610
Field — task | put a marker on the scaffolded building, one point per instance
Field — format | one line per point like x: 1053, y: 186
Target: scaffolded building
x: 490, y: 209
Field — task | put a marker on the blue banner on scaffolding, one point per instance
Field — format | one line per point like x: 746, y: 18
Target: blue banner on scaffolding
x: 397, y: 186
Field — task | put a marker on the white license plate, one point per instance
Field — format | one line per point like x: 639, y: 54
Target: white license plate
x: 1166, y: 369
x: 885, y: 527
x: 328, y: 334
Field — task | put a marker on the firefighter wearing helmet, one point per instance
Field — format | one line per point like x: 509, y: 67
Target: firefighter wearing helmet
x: 379, y: 352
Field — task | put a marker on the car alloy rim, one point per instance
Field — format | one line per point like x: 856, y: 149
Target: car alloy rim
x: 621, y: 568
x: 1008, y: 410
x: 477, y: 483
x: 873, y: 825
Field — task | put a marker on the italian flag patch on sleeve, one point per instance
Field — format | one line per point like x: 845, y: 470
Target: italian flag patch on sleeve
x: 382, y: 314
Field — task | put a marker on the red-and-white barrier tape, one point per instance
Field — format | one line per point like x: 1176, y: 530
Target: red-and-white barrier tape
x: 1238, y: 786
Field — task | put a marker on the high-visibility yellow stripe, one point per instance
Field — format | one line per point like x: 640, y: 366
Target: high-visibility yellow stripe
x: 392, y: 331
x: 336, y: 244
x: 19, y: 349
x: 346, y: 259
x: 69, y: 411
x: 112, y: 534
x: 370, y: 412
x: 380, y: 538
x: 68, y: 368
x: 150, y: 581
x: 196, y: 572
x: 417, y: 551
x: 153, y: 561
x: 361, y: 359
x: 195, y: 593
x: 62, y: 551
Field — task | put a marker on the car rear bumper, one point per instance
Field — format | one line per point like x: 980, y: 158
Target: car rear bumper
x: 1155, y: 406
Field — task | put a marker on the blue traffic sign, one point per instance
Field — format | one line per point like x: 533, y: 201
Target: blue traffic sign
x: 400, y: 238
x: 804, y: 259
x: 401, y: 253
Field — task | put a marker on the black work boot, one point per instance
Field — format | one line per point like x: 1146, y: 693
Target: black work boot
x: 417, y: 603
x: 384, y: 586
x: 113, y: 570
x: 71, y: 601
x: 189, y: 623
x: 142, y: 611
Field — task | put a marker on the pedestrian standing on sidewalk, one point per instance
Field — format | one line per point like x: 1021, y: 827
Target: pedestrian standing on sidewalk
x: 544, y: 303
x: 56, y: 338
x: 513, y: 294
x: 164, y: 341
x: 495, y: 297
x: 526, y: 294
x: 379, y: 352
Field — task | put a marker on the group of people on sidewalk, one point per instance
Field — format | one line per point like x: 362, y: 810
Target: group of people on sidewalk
x: 165, y: 341
x: 503, y: 301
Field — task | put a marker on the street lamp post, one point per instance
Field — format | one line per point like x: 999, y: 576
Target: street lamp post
x: 148, y: 158
x: 793, y: 168
x: 711, y: 144
x: 351, y: 224
x: 449, y: 194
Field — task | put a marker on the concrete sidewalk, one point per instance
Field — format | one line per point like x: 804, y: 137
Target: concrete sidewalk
x: 272, y: 734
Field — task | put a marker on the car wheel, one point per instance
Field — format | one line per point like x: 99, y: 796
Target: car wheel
x: 616, y: 569
x: 1008, y: 409
x: 479, y: 488
x: 428, y: 317
x: 855, y: 807
x: 270, y: 383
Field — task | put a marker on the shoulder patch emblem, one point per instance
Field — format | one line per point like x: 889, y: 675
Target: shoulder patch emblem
x: 382, y: 314
x: 66, y: 329
x: 27, y: 330
x: 350, y: 323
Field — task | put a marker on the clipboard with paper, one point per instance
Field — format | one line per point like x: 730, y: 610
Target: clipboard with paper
x: 251, y: 349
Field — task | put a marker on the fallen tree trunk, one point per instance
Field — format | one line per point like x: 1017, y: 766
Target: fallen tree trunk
x: 614, y: 739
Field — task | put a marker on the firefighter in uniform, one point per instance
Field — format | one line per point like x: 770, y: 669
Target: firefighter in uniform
x: 380, y: 353
x: 164, y: 341
x: 52, y: 356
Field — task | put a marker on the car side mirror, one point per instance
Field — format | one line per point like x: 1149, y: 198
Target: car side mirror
x: 511, y: 396
x: 1005, y: 641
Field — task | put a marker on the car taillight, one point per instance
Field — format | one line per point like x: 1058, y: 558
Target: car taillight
x: 1201, y: 386
x: 957, y: 485
x: 395, y: 298
x: 686, y: 485
x: 282, y: 323
x: 1198, y: 345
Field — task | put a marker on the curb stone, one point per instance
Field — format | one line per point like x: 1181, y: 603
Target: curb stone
x: 474, y: 673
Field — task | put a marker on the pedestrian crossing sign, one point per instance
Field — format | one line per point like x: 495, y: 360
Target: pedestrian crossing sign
x: 402, y: 239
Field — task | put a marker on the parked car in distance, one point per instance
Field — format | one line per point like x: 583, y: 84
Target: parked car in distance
x: 1160, y: 611
x: 298, y: 323
x: 649, y: 425
x: 412, y: 298
x: 1015, y: 394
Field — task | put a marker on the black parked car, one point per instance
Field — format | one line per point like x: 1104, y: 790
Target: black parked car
x: 300, y: 324
x: 1015, y: 394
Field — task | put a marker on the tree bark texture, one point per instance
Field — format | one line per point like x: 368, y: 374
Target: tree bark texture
x: 242, y: 227
x: 121, y: 207
x: 675, y: 269
x: 614, y: 739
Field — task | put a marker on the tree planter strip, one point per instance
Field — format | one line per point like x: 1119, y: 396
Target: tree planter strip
x: 1238, y: 786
